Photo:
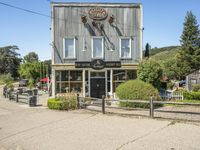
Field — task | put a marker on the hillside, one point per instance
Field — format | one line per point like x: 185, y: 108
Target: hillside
x: 164, y: 53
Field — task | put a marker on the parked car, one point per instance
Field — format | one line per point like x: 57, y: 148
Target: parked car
x: 23, y: 82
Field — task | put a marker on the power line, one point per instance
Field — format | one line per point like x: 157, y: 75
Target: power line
x: 26, y: 10
x: 45, y: 15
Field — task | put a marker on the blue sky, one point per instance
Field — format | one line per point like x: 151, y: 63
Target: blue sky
x: 163, y: 23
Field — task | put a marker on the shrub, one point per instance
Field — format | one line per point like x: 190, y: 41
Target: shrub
x: 136, y: 90
x: 6, y: 79
x: 68, y: 102
x: 191, y: 95
x: 196, y: 88
x: 62, y: 103
x: 54, y: 103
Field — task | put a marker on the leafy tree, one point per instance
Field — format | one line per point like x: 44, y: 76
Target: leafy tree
x: 9, y: 60
x: 31, y: 57
x: 147, y: 48
x: 189, y: 55
x: 48, y: 66
x: 30, y: 71
x: 150, y: 71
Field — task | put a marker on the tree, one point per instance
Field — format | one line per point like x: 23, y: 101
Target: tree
x: 9, y: 60
x: 30, y: 71
x: 147, y: 48
x: 189, y: 55
x: 151, y: 72
x: 31, y: 57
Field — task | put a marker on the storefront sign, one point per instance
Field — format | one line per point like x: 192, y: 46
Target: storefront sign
x: 97, y: 13
x: 98, y: 64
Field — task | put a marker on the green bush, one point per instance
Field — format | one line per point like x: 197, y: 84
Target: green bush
x: 54, y: 103
x: 191, y: 95
x: 6, y: 79
x: 196, y: 88
x: 62, y: 103
x: 136, y: 90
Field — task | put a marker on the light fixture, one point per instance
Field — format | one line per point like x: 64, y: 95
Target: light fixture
x: 84, y: 19
x: 111, y: 19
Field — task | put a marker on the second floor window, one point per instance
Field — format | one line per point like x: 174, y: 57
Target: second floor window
x: 97, y: 47
x: 69, y: 48
x: 125, y: 48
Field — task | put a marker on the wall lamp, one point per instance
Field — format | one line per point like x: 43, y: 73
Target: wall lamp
x: 84, y: 19
x: 111, y: 19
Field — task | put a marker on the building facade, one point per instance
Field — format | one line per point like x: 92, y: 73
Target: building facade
x: 96, y: 46
x: 192, y: 79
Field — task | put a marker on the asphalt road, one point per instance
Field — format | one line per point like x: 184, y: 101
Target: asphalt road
x: 25, y: 128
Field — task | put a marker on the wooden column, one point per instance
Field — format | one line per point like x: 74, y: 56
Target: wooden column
x: 111, y: 83
x: 53, y: 83
x: 83, y: 92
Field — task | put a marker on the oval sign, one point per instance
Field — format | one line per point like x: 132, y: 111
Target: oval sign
x: 97, y: 13
x: 97, y: 64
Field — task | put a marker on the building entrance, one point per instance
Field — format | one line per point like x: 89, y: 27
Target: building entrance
x: 97, y: 84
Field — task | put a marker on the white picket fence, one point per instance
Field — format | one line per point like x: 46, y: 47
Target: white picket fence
x: 174, y: 95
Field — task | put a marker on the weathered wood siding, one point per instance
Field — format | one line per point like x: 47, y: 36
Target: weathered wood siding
x: 67, y: 23
x: 195, y: 76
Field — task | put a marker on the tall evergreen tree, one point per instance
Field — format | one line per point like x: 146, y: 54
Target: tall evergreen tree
x: 147, y: 48
x: 189, y: 55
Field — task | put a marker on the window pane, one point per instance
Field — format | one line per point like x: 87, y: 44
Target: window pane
x: 125, y: 48
x: 69, y: 48
x: 97, y: 48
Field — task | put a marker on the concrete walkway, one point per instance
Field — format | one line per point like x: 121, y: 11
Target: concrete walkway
x: 25, y: 128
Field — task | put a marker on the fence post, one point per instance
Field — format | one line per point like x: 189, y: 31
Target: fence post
x: 78, y: 101
x: 17, y: 97
x: 103, y: 104
x: 151, y: 111
x: 9, y: 95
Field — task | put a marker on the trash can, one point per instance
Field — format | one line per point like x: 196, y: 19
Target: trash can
x: 35, y: 91
x: 30, y: 92
x: 32, y: 100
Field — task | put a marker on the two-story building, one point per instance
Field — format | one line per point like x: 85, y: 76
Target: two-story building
x: 96, y: 46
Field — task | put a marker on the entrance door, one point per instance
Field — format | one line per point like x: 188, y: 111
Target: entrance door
x: 97, y: 84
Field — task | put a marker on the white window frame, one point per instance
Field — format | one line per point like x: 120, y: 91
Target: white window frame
x: 74, y: 48
x: 130, y: 46
x: 102, y: 39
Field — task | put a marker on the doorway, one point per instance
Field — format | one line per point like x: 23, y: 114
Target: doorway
x: 97, y: 84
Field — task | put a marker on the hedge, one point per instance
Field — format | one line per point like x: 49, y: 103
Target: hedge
x: 54, y: 103
x: 136, y: 90
x: 62, y: 103
x: 191, y: 95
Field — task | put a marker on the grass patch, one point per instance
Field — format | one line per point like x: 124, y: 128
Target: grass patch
x: 183, y: 101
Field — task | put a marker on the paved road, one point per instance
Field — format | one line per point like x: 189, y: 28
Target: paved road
x: 25, y: 128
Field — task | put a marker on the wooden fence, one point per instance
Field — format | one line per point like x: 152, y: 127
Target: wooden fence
x: 151, y: 102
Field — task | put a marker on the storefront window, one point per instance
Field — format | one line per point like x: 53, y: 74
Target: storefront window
x: 120, y: 76
x: 68, y: 81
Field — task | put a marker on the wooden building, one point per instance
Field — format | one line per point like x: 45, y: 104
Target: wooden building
x: 192, y: 79
x: 96, y: 46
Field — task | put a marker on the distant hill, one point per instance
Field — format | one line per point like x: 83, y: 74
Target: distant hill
x: 164, y: 53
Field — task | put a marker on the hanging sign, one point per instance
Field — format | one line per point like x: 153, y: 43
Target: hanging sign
x: 97, y: 13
